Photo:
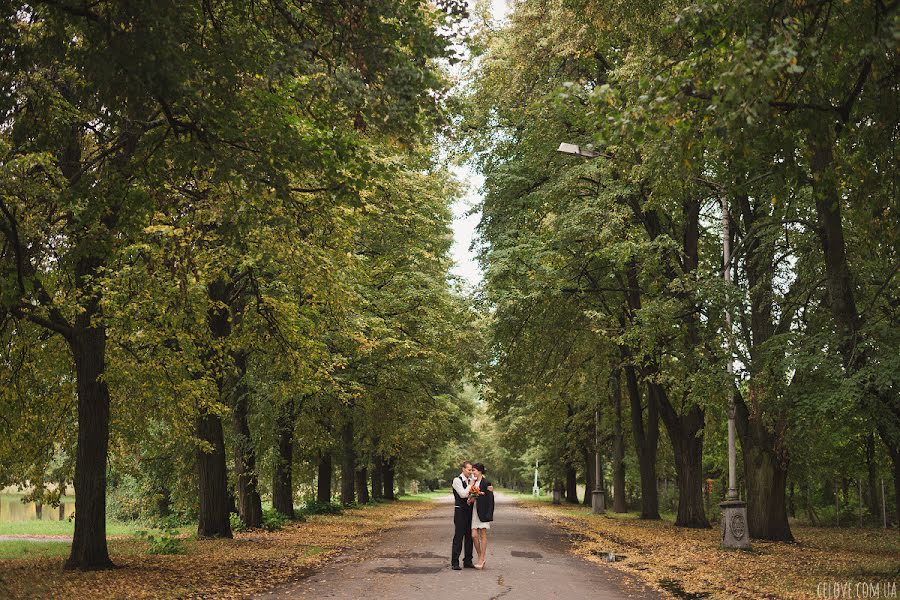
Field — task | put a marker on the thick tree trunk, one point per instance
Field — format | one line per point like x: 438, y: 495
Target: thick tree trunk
x: 212, y: 465
x: 619, y: 504
x: 686, y: 434
x: 388, y: 478
x: 323, y: 482
x: 645, y: 443
x: 249, y: 501
x: 213, y: 478
x: 88, y: 345
x: 362, y: 485
x: 348, y: 464
x: 571, y: 484
x: 766, y: 486
x: 761, y: 429
x: 282, y: 475
x: 377, y: 483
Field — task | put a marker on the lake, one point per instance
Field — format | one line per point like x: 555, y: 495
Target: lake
x: 12, y: 510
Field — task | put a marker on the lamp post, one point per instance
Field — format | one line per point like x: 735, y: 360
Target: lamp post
x: 598, y: 496
x: 734, y: 510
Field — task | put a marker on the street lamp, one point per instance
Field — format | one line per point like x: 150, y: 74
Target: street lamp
x: 577, y: 150
x: 734, y: 510
x: 598, y: 496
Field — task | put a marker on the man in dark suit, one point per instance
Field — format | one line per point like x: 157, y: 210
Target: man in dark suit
x: 462, y: 519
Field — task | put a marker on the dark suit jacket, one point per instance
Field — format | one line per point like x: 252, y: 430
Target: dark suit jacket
x: 485, y: 504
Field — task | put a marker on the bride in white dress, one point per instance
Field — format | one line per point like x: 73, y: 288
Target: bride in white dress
x: 479, y: 527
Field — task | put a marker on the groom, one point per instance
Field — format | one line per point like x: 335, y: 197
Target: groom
x: 462, y: 518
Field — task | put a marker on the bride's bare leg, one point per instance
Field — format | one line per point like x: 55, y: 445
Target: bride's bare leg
x: 476, y: 541
x: 482, y: 545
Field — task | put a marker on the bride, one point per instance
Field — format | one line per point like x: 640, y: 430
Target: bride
x: 482, y: 515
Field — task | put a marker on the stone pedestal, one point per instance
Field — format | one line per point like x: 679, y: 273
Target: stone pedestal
x: 735, y: 531
x: 598, y: 502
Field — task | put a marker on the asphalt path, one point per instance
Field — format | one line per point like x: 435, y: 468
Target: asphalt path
x: 527, y: 558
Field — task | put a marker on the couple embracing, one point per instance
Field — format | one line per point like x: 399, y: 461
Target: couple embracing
x: 473, y: 512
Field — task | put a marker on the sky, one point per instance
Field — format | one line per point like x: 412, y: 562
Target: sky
x: 464, y: 224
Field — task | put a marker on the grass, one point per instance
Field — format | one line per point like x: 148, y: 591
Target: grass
x: 424, y: 496
x: 113, y: 528
x: 17, y: 550
x: 525, y: 496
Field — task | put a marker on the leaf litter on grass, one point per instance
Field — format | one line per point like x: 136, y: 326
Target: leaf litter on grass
x: 690, y: 564
x: 254, y: 561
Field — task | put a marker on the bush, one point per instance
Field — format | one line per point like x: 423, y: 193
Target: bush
x: 314, y: 507
x: 236, y: 523
x: 273, y: 520
x: 164, y: 542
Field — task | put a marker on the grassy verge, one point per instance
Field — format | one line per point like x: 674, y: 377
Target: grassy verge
x: 689, y: 563
x: 252, y: 562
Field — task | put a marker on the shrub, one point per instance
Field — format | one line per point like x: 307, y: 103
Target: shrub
x: 273, y: 520
x: 236, y: 523
x: 164, y: 542
x: 314, y: 507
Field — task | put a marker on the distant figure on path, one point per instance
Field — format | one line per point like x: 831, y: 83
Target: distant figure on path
x: 481, y: 495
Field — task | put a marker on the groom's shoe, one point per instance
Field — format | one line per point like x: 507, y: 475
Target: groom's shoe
x: 456, y: 567
x: 468, y: 566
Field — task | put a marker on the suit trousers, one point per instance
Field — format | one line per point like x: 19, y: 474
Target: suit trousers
x: 462, y: 523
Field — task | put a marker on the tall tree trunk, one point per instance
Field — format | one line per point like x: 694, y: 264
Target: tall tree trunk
x: 88, y: 345
x: 571, y: 484
x: 282, y: 474
x: 686, y: 434
x: 249, y: 501
x: 323, y: 482
x: 762, y: 426
x: 645, y: 443
x: 348, y: 463
x: 589, y: 476
x: 212, y: 467
x: 388, y: 478
x: 766, y: 476
x: 872, y: 504
x: 213, y: 478
x: 377, y: 483
x: 841, y: 294
x: 362, y: 485
x: 619, y: 504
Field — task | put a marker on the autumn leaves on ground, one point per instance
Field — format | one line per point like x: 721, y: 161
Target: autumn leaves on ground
x: 690, y: 563
x: 255, y: 561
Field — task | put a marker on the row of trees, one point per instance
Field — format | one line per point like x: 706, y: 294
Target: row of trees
x: 605, y: 275
x: 221, y: 229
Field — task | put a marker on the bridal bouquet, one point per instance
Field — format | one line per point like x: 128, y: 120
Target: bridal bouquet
x: 474, y: 491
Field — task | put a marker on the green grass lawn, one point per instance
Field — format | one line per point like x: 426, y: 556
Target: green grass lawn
x: 33, y: 549
x: 113, y: 528
x: 423, y: 496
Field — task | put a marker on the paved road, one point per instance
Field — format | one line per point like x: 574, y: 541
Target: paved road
x: 527, y: 558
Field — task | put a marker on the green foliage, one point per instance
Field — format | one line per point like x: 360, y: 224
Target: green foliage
x: 313, y: 507
x: 273, y: 520
x: 163, y: 541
